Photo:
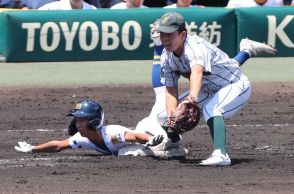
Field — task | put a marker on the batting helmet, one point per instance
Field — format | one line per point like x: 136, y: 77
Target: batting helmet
x: 91, y: 110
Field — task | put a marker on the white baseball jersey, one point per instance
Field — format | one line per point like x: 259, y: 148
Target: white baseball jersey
x: 224, y: 91
x: 123, y: 5
x: 252, y: 3
x: 78, y: 141
x: 63, y: 5
x: 147, y: 125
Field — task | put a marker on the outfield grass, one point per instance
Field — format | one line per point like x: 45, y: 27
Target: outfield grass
x: 270, y: 69
x: 122, y: 72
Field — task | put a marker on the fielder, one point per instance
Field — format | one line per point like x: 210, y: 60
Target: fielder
x: 216, y: 81
x: 248, y: 49
x: 158, y: 108
x: 112, y: 139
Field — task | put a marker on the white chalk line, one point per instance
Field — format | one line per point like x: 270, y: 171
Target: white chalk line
x: 31, y: 161
x: 263, y: 125
x: 28, y: 158
x: 233, y: 125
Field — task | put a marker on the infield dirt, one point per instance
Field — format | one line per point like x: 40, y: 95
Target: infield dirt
x: 260, y: 141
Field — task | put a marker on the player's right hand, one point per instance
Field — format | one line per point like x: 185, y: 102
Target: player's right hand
x: 24, y: 147
x: 155, y: 140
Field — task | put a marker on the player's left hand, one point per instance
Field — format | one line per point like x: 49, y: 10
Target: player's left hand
x: 155, y: 140
x: 24, y: 147
x: 186, y: 116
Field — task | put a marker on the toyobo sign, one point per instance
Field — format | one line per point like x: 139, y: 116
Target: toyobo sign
x: 88, y: 35
x: 49, y: 34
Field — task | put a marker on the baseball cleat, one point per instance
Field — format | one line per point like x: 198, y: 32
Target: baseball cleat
x: 170, y: 152
x: 217, y: 159
x: 256, y: 48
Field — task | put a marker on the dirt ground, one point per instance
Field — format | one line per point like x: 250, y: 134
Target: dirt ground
x: 260, y: 142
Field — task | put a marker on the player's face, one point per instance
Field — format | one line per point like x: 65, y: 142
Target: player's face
x: 82, y: 125
x: 173, y: 42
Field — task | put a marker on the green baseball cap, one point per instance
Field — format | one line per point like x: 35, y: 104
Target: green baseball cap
x: 170, y: 22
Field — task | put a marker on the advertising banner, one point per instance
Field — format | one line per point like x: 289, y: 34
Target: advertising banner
x: 103, y: 34
x: 272, y: 25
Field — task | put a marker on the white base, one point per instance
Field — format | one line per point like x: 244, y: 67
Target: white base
x: 140, y: 150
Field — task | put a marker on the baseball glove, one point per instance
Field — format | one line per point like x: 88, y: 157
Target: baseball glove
x: 186, y: 116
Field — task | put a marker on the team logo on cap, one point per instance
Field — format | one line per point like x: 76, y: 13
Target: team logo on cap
x: 165, y: 19
x: 78, y: 106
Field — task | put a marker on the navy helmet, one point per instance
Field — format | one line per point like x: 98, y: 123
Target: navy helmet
x: 91, y: 110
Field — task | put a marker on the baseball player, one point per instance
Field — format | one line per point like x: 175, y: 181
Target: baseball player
x: 216, y: 81
x: 67, y: 5
x: 92, y: 134
x: 159, y: 89
x: 248, y: 49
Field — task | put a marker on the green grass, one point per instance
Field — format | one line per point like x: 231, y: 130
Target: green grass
x: 270, y: 69
x: 122, y: 72
x: 80, y: 73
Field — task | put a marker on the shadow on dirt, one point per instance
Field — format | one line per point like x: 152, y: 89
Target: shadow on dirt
x: 184, y: 160
x: 241, y: 161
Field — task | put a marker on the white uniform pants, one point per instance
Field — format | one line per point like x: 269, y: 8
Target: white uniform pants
x: 226, y: 102
x: 150, y: 126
